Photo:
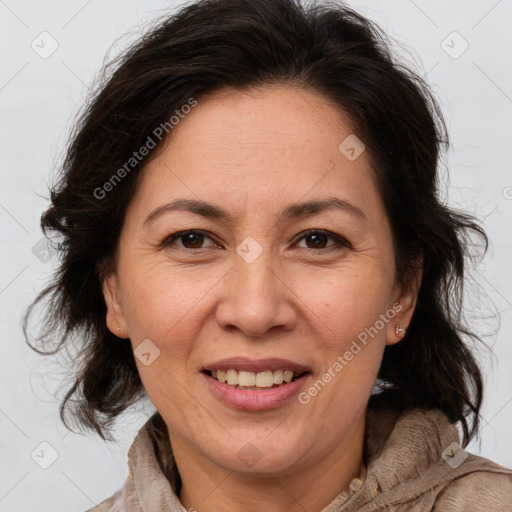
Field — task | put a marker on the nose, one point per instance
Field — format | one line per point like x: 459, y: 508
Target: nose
x: 255, y: 298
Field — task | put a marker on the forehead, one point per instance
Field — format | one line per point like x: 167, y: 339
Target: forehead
x: 276, y: 124
x: 258, y: 149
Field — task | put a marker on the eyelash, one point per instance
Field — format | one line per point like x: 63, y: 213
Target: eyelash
x: 340, y: 241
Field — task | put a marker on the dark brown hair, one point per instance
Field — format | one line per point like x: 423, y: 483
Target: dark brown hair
x: 212, y: 44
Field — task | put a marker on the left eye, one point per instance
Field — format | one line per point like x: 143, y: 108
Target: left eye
x: 319, y: 238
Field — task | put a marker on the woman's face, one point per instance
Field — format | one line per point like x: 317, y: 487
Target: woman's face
x: 251, y: 291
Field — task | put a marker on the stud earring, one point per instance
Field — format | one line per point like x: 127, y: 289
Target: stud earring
x: 118, y: 329
x: 400, y: 332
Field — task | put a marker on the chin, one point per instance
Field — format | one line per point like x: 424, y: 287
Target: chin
x: 258, y: 456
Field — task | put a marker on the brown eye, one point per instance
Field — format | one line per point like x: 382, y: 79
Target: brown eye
x: 194, y: 239
x: 318, y: 239
x: 189, y: 239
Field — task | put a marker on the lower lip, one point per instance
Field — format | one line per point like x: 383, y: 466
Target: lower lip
x: 255, y: 400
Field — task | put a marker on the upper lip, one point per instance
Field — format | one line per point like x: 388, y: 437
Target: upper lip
x: 257, y: 365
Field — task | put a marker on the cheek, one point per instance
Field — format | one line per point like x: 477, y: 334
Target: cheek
x: 164, y: 309
x: 351, y: 312
x: 169, y: 307
x: 161, y: 301
x: 346, y: 303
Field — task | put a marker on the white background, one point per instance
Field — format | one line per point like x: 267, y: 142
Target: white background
x: 38, y: 99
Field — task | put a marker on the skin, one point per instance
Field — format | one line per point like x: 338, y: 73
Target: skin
x: 253, y: 153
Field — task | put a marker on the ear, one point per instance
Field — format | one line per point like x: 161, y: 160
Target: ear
x: 115, y: 318
x: 404, y: 303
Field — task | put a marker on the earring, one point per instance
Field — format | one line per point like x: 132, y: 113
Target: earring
x: 400, y: 332
x: 118, y: 329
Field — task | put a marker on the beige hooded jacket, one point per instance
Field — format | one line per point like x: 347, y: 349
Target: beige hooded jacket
x: 414, y: 463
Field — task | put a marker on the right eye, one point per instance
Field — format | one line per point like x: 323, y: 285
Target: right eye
x: 191, y: 239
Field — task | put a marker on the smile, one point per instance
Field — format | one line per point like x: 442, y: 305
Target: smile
x: 242, y: 379
x: 255, y: 385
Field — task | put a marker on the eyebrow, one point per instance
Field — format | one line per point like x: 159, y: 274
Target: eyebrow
x: 291, y: 212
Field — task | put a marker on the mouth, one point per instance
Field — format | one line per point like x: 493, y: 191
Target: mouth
x: 252, y: 385
x: 242, y: 379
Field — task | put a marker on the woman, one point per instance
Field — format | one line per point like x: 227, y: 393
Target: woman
x: 287, y: 374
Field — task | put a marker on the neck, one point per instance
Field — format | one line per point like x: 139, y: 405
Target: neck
x: 209, y: 487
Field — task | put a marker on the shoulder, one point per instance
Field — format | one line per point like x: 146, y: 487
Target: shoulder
x: 124, y: 500
x: 481, y: 490
x: 109, y: 505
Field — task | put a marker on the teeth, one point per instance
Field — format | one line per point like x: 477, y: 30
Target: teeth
x: 278, y: 377
x: 232, y: 377
x: 265, y: 379
x: 243, y: 379
x: 246, y: 379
